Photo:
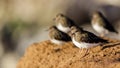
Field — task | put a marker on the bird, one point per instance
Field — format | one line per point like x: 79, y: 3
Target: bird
x: 57, y: 36
x: 63, y: 22
x: 84, y: 39
x: 101, y: 25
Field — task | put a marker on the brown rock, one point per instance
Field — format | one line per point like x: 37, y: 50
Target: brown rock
x: 48, y: 55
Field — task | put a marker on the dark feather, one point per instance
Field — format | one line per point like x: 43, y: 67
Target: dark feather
x: 70, y: 22
x: 62, y: 36
x: 91, y: 38
x: 107, y: 25
x: 59, y: 35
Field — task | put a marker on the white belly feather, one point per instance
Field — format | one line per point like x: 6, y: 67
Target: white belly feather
x: 83, y: 44
x: 57, y: 41
x: 63, y: 29
x: 100, y: 29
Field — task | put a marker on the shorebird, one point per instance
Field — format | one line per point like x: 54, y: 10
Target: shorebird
x: 57, y: 36
x: 63, y: 22
x: 84, y: 39
x: 101, y: 24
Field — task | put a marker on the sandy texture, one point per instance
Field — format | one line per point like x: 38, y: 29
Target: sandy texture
x: 48, y: 55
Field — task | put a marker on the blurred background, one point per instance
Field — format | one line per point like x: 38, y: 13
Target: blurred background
x: 23, y: 22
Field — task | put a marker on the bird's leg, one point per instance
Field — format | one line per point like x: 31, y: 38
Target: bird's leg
x: 80, y: 52
x: 83, y: 54
x: 86, y: 51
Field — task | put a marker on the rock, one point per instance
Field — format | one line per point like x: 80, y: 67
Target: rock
x: 48, y: 55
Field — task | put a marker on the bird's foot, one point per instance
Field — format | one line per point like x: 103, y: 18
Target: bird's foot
x: 83, y: 52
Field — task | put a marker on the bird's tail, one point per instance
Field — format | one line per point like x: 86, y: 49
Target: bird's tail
x: 105, y: 41
x: 116, y: 32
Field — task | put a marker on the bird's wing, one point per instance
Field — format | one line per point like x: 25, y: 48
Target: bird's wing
x: 91, y: 38
x: 62, y: 36
x: 107, y: 25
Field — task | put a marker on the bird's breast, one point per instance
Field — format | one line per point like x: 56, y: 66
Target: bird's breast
x: 62, y: 28
x: 99, y: 29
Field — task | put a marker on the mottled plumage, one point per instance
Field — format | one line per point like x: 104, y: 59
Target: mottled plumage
x: 85, y: 39
x: 73, y: 29
x: 58, y: 36
x: 101, y: 24
x: 63, y: 22
x: 88, y: 37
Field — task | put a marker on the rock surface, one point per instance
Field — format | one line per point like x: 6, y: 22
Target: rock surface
x: 48, y: 55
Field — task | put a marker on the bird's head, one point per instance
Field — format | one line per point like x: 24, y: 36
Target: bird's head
x: 77, y: 34
x: 51, y: 28
x: 74, y: 29
x: 97, y: 14
x: 60, y: 18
